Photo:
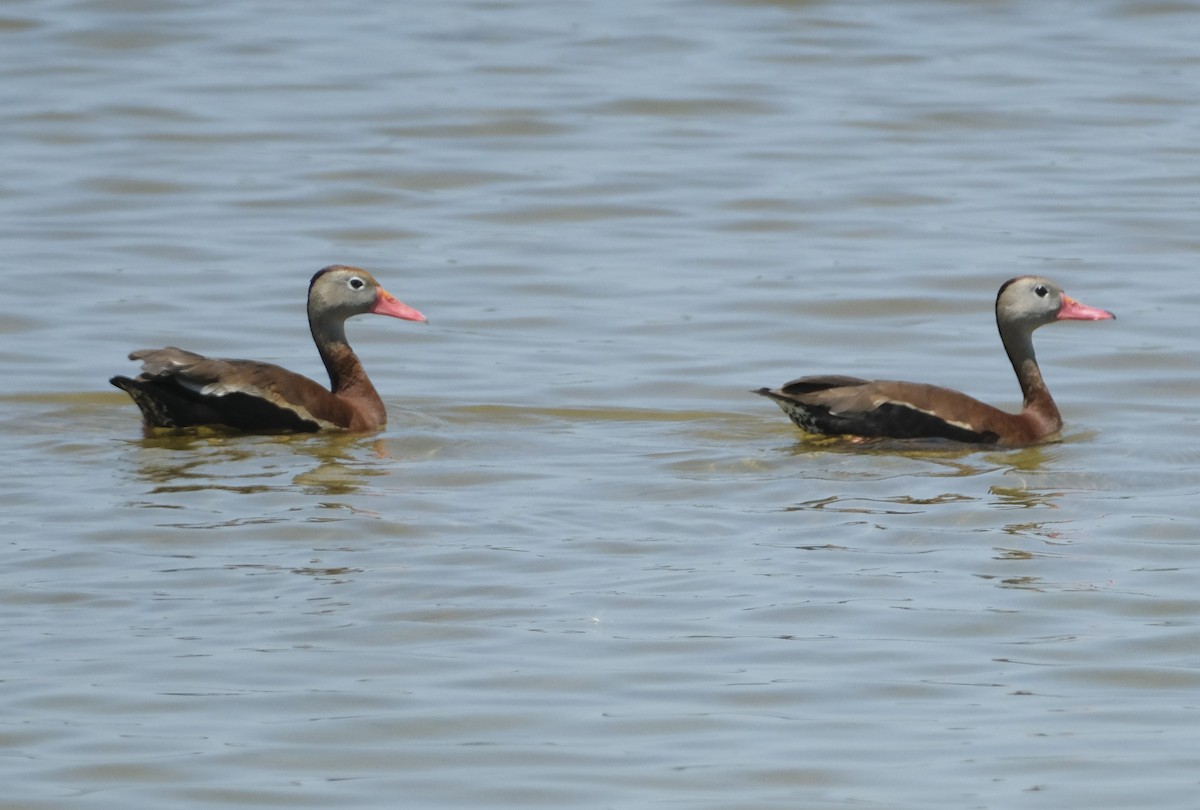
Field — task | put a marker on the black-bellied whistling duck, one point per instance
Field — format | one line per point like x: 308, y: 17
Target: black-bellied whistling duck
x: 902, y: 410
x: 179, y: 389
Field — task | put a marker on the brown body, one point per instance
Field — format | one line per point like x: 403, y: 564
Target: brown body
x: 905, y: 410
x: 179, y: 388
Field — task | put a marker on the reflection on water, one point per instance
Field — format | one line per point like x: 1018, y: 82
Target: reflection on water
x: 198, y: 461
x: 620, y: 233
x: 836, y: 504
x: 339, y: 575
x: 1022, y: 498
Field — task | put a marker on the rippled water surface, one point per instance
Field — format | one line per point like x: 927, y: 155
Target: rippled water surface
x: 583, y: 566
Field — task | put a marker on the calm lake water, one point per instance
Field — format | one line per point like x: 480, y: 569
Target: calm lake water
x: 583, y: 567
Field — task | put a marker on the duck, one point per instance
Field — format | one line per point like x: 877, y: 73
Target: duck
x: 180, y: 389
x: 850, y: 406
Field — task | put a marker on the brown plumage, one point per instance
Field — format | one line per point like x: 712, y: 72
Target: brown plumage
x: 178, y: 388
x: 904, y: 410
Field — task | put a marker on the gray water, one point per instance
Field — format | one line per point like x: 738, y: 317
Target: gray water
x: 583, y: 567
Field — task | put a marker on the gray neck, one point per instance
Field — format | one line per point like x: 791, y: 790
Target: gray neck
x: 1038, y: 405
x: 1018, y: 342
x: 329, y: 333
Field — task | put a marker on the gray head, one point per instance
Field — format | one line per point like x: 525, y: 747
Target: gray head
x: 338, y: 292
x: 1032, y: 301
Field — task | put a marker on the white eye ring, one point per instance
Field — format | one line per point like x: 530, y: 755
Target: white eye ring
x: 356, y: 283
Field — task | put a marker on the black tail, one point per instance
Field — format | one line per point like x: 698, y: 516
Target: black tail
x: 159, y: 406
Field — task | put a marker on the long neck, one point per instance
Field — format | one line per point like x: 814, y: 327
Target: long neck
x: 1038, y: 404
x: 347, y: 378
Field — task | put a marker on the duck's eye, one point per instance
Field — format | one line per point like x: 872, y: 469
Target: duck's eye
x: 356, y: 283
x: 1041, y: 291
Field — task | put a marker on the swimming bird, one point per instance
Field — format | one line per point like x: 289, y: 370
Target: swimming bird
x: 179, y: 388
x: 841, y: 405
